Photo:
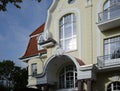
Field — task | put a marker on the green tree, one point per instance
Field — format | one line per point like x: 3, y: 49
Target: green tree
x: 15, y: 76
x: 20, y: 78
x: 3, y: 3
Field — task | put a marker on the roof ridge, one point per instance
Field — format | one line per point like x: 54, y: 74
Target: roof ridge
x: 40, y: 29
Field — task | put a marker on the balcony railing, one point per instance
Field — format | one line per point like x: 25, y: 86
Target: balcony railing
x: 108, y: 60
x: 110, y: 13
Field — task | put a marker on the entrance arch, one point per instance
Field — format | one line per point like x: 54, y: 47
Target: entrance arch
x: 55, y: 63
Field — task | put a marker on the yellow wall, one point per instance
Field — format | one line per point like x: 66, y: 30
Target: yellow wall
x: 89, y: 37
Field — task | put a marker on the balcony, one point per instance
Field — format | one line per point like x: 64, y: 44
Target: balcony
x: 108, y: 61
x: 109, y: 18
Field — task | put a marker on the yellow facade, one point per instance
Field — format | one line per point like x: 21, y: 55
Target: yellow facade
x: 90, y: 36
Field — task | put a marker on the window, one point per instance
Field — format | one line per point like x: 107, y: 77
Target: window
x: 111, y: 9
x: 71, y: 1
x: 114, y: 86
x: 68, y: 77
x: 67, y: 35
x: 40, y: 40
x: 112, y: 47
x: 34, y: 69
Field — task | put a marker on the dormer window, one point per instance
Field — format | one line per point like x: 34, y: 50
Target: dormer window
x: 45, y: 40
x: 40, y: 40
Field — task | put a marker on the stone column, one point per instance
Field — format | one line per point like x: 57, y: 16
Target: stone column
x: 80, y: 85
x: 89, y: 85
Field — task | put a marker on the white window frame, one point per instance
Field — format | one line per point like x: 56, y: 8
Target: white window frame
x: 66, y: 78
x: 107, y: 5
x: 40, y: 39
x: 114, y: 85
x: 34, y: 69
x: 108, y: 43
x: 72, y: 37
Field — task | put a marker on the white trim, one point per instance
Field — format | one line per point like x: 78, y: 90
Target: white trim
x: 99, y: 6
x: 28, y: 58
x: 49, y: 16
x: 78, y: 25
x: 86, y: 67
x: 69, y: 56
x: 35, y: 35
x: 47, y: 45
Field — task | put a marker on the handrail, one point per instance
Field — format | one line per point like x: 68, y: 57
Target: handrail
x: 111, y: 12
x: 107, y: 60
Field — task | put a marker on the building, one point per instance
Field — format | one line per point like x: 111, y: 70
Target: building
x: 78, y: 47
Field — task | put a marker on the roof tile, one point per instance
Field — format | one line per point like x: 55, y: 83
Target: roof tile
x: 32, y: 49
x: 38, y: 30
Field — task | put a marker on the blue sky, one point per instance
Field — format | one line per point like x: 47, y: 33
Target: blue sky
x: 17, y: 24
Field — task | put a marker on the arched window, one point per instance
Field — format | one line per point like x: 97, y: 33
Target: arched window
x: 68, y: 77
x: 67, y: 32
x: 111, y: 9
x: 114, y: 86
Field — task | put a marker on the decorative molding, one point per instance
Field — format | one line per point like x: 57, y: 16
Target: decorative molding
x: 59, y: 51
x: 47, y: 35
x: 116, y: 77
x: 49, y: 16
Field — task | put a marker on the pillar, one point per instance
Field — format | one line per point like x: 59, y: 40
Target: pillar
x: 89, y: 85
x: 80, y: 85
x: 46, y: 87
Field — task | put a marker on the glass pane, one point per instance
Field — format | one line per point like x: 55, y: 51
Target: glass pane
x: 34, y: 69
x: 74, y: 17
x: 68, y: 30
x: 61, y: 44
x: 106, y: 5
x: 68, y: 77
x: 61, y: 32
x: 74, y: 28
x: 61, y: 82
x: 74, y: 43
x: 106, y: 50
x: 61, y: 22
x: 68, y: 44
x: 67, y: 19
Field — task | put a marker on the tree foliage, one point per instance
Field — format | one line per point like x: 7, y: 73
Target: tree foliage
x: 14, y: 76
x: 3, y: 3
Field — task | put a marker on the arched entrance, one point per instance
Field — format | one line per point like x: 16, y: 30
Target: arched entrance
x: 54, y: 76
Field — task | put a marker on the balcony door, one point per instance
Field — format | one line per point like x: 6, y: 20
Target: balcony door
x: 111, y: 9
x: 112, y: 48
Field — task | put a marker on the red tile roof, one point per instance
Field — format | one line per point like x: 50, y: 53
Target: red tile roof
x: 38, y: 30
x: 32, y: 49
x: 80, y: 61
